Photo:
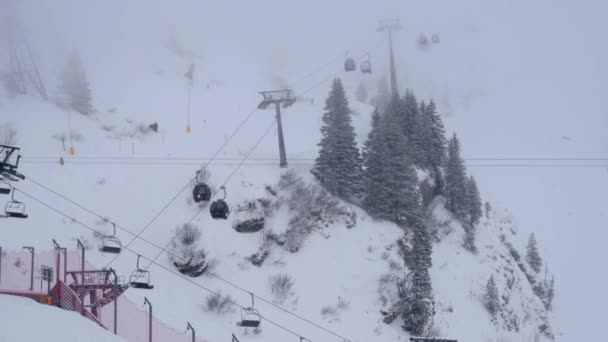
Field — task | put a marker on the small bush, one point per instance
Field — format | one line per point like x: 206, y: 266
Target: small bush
x: 329, y: 311
x: 280, y: 286
x: 218, y: 303
x: 185, y: 252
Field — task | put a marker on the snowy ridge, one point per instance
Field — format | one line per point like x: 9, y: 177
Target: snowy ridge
x: 334, y: 266
x: 457, y: 271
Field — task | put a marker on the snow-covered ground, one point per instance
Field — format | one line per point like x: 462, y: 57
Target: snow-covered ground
x: 25, y: 320
x: 516, y: 79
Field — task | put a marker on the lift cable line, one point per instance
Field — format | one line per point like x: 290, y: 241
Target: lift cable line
x: 194, y: 178
x: 264, y: 162
x: 231, y: 301
x: 153, y: 261
x: 27, y: 159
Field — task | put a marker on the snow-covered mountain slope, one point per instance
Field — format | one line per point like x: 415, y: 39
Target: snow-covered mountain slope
x: 22, y: 319
x: 475, y: 74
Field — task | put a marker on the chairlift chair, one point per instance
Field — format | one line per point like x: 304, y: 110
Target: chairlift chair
x: 111, y: 243
x: 349, y: 64
x: 250, y: 317
x: 15, y: 208
x: 219, y: 209
x: 140, y: 278
x: 5, y: 187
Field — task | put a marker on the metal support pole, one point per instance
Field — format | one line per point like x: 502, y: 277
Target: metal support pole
x: 188, y: 129
x: 282, y: 155
x: 146, y: 301
x: 390, y: 26
x: 65, y: 264
x: 189, y: 327
x: 394, y: 90
x: 31, y: 249
x: 82, y: 293
x: 0, y: 266
x: 278, y: 98
x: 57, y: 259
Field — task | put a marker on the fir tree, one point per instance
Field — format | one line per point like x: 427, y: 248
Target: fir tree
x: 390, y: 180
x: 474, y: 213
x: 549, y: 293
x: 361, y: 93
x: 438, y: 140
x: 456, y: 180
x: 424, y: 137
x: 412, y: 126
x: 75, y: 86
x: 376, y: 198
x: 469, y: 238
x: 473, y: 202
x: 491, y: 297
x: 417, y: 304
x: 532, y: 255
x: 338, y: 166
x: 400, y: 177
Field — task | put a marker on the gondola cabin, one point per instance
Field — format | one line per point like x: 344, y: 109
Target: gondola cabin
x: 349, y: 65
x: 219, y: 209
x: 201, y: 193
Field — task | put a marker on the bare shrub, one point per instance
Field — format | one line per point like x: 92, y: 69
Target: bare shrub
x: 185, y: 252
x: 343, y: 304
x: 218, y: 303
x: 312, y: 208
x: 332, y: 312
x: 329, y: 312
x: 280, y: 286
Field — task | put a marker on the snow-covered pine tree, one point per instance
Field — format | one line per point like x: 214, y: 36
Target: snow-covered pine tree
x: 338, y: 166
x: 417, y: 308
x: 469, y: 238
x: 473, y: 202
x: 376, y: 199
x: 549, y: 293
x: 411, y: 124
x: 361, y: 93
x: 491, y: 297
x: 455, y: 180
x: 399, y: 175
x: 438, y: 140
x: 75, y: 87
x: 424, y: 137
x: 532, y: 255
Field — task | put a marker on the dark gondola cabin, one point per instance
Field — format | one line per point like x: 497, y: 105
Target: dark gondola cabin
x: 350, y: 65
x: 201, y: 192
x: 219, y: 209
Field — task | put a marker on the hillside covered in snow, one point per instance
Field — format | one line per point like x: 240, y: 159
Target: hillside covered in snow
x: 318, y: 266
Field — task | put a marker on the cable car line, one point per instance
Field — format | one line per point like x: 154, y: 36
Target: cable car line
x: 231, y: 301
x: 53, y: 159
x: 305, y: 164
x: 234, y: 285
x: 193, y: 179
